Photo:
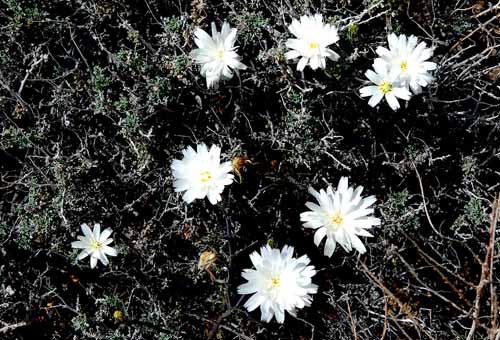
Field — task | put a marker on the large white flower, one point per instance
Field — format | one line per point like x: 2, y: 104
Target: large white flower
x: 95, y: 244
x: 313, y: 39
x: 387, y: 84
x: 278, y: 283
x: 200, y: 174
x: 341, y: 216
x: 407, y: 58
x: 217, y: 54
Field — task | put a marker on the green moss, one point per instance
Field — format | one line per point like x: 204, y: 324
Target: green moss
x: 469, y: 167
x: 100, y: 81
x: 123, y: 104
x: 36, y: 216
x: 332, y: 20
x: 178, y: 65
x: 21, y: 14
x: 475, y: 212
x: 4, y: 230
x: 133, y: 36
x: 251, y: 25
x: 174, y: 24
x: 177, y: 29
x: 295, y: 96
x: 352, y: 32
x: 400, y: 215
x: 335, y: 70
x: 80, y: 323
x: 112, y: 301
x: 4, y: 58
x: 14, y: 137
x: 158, y: 90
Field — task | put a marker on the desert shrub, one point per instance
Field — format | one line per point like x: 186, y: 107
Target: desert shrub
x: 98, y: 98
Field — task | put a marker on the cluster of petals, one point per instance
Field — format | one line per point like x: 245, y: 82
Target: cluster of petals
x: 399, y: 69
x: 217, y: 54
x: 310, y: 45
x: 341, y: 216
x: 95, y: 244
x: 278, y: 282
x: 201, y: 174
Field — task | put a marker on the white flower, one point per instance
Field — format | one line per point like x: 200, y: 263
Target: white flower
x: 313, y: 39
x: 278, y: 283
x: 200, y: 174
x: 341, y: 216
x: 386, y: 85
x: 217, y: 54
x: 95, y: 244
x: 408, y: 58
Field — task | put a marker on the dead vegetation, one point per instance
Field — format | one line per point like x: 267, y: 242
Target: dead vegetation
x: 97, y: 98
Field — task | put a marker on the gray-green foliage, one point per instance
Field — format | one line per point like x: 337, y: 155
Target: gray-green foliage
x: 400, y: 216
x: 91, y: 135
x: 251, y: 25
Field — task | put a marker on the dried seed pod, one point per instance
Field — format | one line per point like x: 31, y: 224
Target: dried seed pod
x: 207, y: 260
x: 239, y: 162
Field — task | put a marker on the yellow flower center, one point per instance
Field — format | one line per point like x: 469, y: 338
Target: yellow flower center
x: 118, y: 315
x: 313, y: 45
x: 337, y: 219
x: 219, y: 54
x: 385, y: 87
x: 95, y: 245
x: 275, y: 281
x: 205, y: 176
x: 404, y: 66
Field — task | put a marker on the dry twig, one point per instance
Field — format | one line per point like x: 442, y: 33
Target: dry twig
x: 486, y: 276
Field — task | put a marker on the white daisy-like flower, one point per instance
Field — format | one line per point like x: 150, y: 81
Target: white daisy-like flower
x: 409, y: 58
x: 278, y: 283
x: 95, y: 244
x: 200, y: 174
x: 311, y: 44
x: 387, y: 85
x: 217, y: 54
x: 341, y: 216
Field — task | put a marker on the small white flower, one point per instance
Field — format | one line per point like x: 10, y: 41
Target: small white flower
x: 407, y: 57
x: 313, y: 39
x: 217, y: 54
x: 200, y: 174
x: 95, y: 244
x: 386, y: 85
x: 341, y: 216
x: 278, y: 283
